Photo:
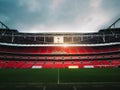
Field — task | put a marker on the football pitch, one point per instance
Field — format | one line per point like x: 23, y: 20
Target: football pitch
x: 60, y: 79
x: 60, y: 76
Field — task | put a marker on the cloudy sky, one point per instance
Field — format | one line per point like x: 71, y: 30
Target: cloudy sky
x: 59, y: 15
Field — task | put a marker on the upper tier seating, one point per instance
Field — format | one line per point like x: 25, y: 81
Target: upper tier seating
x: 59, y: 50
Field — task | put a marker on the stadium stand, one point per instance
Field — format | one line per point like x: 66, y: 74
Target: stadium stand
x: 59, y: 50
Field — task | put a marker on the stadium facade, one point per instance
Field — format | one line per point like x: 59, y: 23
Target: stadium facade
x: 59, y: 50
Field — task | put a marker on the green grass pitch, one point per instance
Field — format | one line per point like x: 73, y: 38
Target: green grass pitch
x: 59, y: 76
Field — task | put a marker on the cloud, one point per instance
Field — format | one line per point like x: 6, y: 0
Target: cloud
x: 32, y: 5
x: 73, y: 16
x: 92, y: 22
x: 49, y: 28
x: 55, y: 5
x: 59, y: 15
x: 4, y: 18
x: 95, y: 3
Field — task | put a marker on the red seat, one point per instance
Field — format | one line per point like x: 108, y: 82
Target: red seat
x: 10, y: 64
x: 115, y: 63
x: 58, y: 64
x: 2, y: 63
x: 19, y: 64
x: 48, y: 64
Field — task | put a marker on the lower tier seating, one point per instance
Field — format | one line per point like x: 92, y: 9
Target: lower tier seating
x: 60, y: 64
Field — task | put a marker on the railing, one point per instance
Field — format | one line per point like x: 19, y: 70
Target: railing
x: 64, y: 45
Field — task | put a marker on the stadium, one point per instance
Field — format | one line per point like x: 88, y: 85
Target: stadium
x: 55, y: 61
